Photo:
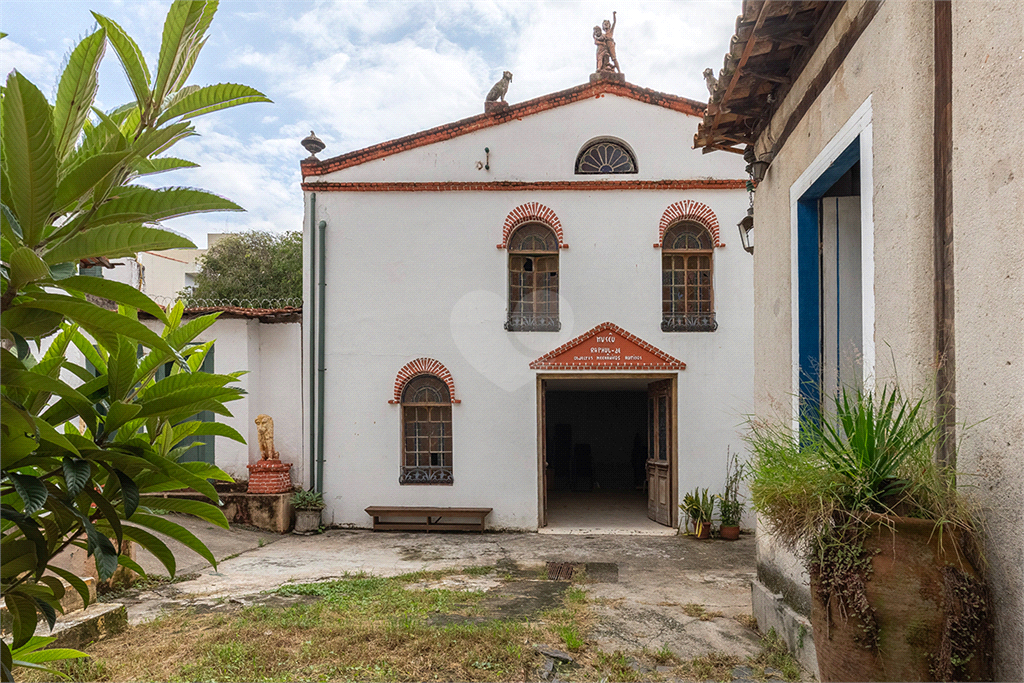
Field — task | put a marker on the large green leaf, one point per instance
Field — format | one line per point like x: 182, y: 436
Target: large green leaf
x: 174, y: 530
x: 35, y: 382
x: 115, y: 241
x: 121, y: 367
x: 162, y: 165
x: 118, y: 414
x: 103, y: 325
x: 31, y: 160
x: 196, y: 508
x: 153, y: 544
x: 211, y: 98
x: 115, y: 291
x: 179, y: 473
x: 190, y: 401
x: 182, y: 383
x: 131, y: 59
x: 83, y: 178
x: 143, y: 204
x: 30, y: 323
x: 185, y: 23
x: 156, y: 140
x: 76, y: 91
x: 74, y: 580
x: 26, y: 267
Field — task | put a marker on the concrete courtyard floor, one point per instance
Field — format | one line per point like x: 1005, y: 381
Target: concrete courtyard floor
x: 638, y: 586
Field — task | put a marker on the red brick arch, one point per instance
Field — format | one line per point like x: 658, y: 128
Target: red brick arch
x: 531, y: 212
x: 690, y: 210
x: 423, y: 366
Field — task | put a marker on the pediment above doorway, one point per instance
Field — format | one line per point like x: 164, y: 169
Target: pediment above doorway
x: 607, y: 347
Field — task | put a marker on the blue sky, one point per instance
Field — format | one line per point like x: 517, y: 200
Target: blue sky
x: 361, y: 72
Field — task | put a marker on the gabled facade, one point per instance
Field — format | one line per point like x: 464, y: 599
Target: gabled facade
x: 890, y: 241
x: 441, y: 265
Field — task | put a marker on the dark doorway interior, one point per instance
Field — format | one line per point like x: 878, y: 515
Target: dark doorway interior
x: 596, y: 440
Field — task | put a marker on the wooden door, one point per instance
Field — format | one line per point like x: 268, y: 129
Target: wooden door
x: 659, y: 447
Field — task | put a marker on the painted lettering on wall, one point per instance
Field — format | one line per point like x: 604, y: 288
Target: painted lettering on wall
x: 604, y: 349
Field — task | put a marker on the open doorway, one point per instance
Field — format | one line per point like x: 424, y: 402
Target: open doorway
x: 602, y: 473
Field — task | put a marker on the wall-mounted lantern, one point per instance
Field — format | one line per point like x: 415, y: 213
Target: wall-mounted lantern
x: 746, y: 227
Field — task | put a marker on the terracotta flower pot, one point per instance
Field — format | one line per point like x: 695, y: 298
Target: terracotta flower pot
x: 729, y: 533
x: 910, y: 589
x: 703, y: 530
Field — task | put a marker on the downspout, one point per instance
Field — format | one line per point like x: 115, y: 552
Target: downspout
x: 945, y: 301
x: 312, y: 341
x: 320, y: 370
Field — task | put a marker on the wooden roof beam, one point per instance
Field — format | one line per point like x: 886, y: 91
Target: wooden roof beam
x: 743, y: 61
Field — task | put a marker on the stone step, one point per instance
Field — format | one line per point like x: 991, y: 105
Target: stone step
x: 84, y: 626
x: 71, y: 602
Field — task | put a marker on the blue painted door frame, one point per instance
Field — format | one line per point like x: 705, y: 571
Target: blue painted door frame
x: 809, y: 276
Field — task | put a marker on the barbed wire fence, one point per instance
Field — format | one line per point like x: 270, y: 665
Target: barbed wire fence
x: 255, y: 303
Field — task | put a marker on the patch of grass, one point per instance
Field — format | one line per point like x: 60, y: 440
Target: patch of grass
x: 775, y: 654
x: 615, y: 667
x: 570, y: 635
x: 576, y: 596
x: 376, y: 597
x: 478, y: 571
x: 692, y: 609
x: 716, y: 666
x: 664, y: 655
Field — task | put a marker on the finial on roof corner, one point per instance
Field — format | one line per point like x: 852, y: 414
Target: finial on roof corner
x: 313, y: 144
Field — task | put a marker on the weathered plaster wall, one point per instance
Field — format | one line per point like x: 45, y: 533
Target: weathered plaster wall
x: 988, y: 220
x: 891, y: 64
x: 417, y: 274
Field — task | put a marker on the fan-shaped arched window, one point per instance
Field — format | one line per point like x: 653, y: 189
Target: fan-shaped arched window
x: 687, y: 291
x: 426, y: 432
x: 605, y: 156
x: 533, y: 279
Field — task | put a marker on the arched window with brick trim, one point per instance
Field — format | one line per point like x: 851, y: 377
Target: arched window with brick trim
x: 687, y: 279
x: 533, y: 279
x: 426, y: 431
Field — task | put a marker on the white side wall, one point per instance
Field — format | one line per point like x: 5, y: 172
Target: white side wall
x: 413, y: 275
x: 272, y: 358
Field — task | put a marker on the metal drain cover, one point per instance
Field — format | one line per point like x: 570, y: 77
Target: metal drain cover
x: 561, y: 571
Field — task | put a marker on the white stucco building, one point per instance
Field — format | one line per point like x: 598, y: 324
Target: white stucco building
x: 557, y: 281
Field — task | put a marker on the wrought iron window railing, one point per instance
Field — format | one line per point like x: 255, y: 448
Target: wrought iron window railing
x: 533, y: 324
x: 426, y: 475
x: 688, y: 322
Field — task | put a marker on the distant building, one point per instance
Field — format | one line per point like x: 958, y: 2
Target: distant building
x: 170, y: 271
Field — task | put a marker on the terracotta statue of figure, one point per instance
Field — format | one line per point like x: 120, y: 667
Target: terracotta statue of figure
x: 606, y: 58
x: 265, y: 431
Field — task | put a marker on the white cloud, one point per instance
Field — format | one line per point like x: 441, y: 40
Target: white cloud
x: 41, y: 69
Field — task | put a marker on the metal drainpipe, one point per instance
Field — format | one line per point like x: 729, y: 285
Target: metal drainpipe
x: 312, y: 340
x: 321, y: 370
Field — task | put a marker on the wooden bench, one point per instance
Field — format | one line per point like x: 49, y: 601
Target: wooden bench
x: 432, y: 518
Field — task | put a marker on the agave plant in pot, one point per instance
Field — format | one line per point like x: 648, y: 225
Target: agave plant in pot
x: 308, y: 505
x: 700, y: 508
x: 897, y: 591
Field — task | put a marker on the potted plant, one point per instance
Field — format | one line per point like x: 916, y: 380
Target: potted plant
x: 700, y: 508
x: 307, y: 505
x: 889, y: 544
x: 730, y: 507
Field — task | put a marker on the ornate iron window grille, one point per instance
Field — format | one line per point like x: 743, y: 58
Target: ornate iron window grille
x: 426, y: 475
x: 688, y: 322
x: 533, y: 324
x: 605, y: 157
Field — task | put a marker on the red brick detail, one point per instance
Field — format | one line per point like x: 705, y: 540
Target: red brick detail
x: 514, y: 112
x: 270, y: 476
x: 531, y: 212
x: 423, y: 366
x: 520, y: 186
x: 547, y: 361
x: 689, y: 210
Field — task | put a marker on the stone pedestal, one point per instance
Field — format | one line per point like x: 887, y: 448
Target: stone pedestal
x: 607, y: 76
x: 270, y: 476
x: 495, y: 106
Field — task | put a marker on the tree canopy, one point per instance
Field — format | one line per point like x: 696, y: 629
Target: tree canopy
x: 256, y: 269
